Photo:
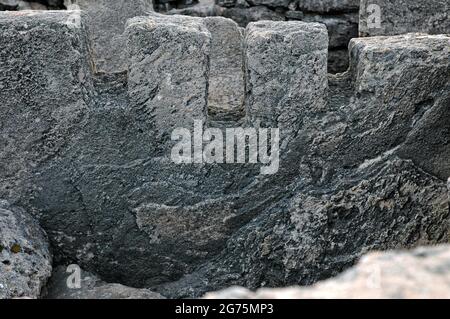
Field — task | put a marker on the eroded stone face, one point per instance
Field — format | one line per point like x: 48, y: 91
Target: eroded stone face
x: 89, y: 153
x: 226, y: 87
x: 25, y: 259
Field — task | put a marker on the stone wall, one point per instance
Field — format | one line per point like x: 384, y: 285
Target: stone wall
x: 88, y: 152
x: 340, y: 17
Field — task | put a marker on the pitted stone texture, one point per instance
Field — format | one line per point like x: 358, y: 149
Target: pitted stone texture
x: 50, y: 89
x: 25, y: 259
x: 107, y: 20
x: 168, y: 69
x: 286, y: 72
x: 110, y: 198
x: 422, y: 273
x: 347, y: 175
x: 404, y: 16
x: 91, y: 287
x: 313, y: 236
x: 419, y: 98
x: 226, y: 90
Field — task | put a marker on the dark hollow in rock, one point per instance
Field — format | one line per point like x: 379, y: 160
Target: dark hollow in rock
x: 88, y: 152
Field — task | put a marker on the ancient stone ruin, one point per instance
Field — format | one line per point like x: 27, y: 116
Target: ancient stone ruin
x: 90, y: 96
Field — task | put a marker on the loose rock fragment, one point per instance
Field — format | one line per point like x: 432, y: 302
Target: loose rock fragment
x: 25, y: 259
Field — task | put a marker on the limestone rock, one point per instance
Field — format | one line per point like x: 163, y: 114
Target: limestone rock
x: 107, y: 20
x: 25, y: 259
x: 89, y: 153
x: 173, y: 82
x: 422, y: 273
x: 226, y: 70
x: 404, y: 16
x: 91, y: 287
x: 293, y: 56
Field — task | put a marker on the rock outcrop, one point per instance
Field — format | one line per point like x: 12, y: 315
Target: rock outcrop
x: 91, y: 287
x: 89, y: 153
x: 25, y: 259
x: 420, y: 274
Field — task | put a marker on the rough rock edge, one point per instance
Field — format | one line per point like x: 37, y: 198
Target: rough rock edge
x: 422, y: 273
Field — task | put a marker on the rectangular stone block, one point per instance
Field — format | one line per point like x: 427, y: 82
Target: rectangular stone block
x: 107, y: 20
x: 286, y: 73
x: 393, y: 17
x: 168, y: 70
x: 44, y: 86
x: 401, y: 85
x: 226, y: 67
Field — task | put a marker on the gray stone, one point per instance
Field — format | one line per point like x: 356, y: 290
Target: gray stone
x: 168, y: 69
x: 348, y: 174
x: 328, y: 5
x: 247, y: 15
x: 226, y: 89
x: 51, y: 89
x: 286, y: 73
x: 294, y: 15
x: 90, y: 154
x: 91, y: 287
x: 341, y: 28
x: 422, y: 273
x: 107, y: 20
x: 25, y: 259
x: 315, y: 235
x: 404, y: 16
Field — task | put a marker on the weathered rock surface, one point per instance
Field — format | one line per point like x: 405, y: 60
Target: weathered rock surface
x: 226, y: 87
x: 340, y: 17
x: 90, y: 154
x: 25, y: 259
x: 168, y: 69
x: 423, y: 273
x: 107, y: 20
x: 293, y: 55
x: 403, y: 16
x: 91, y: 287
